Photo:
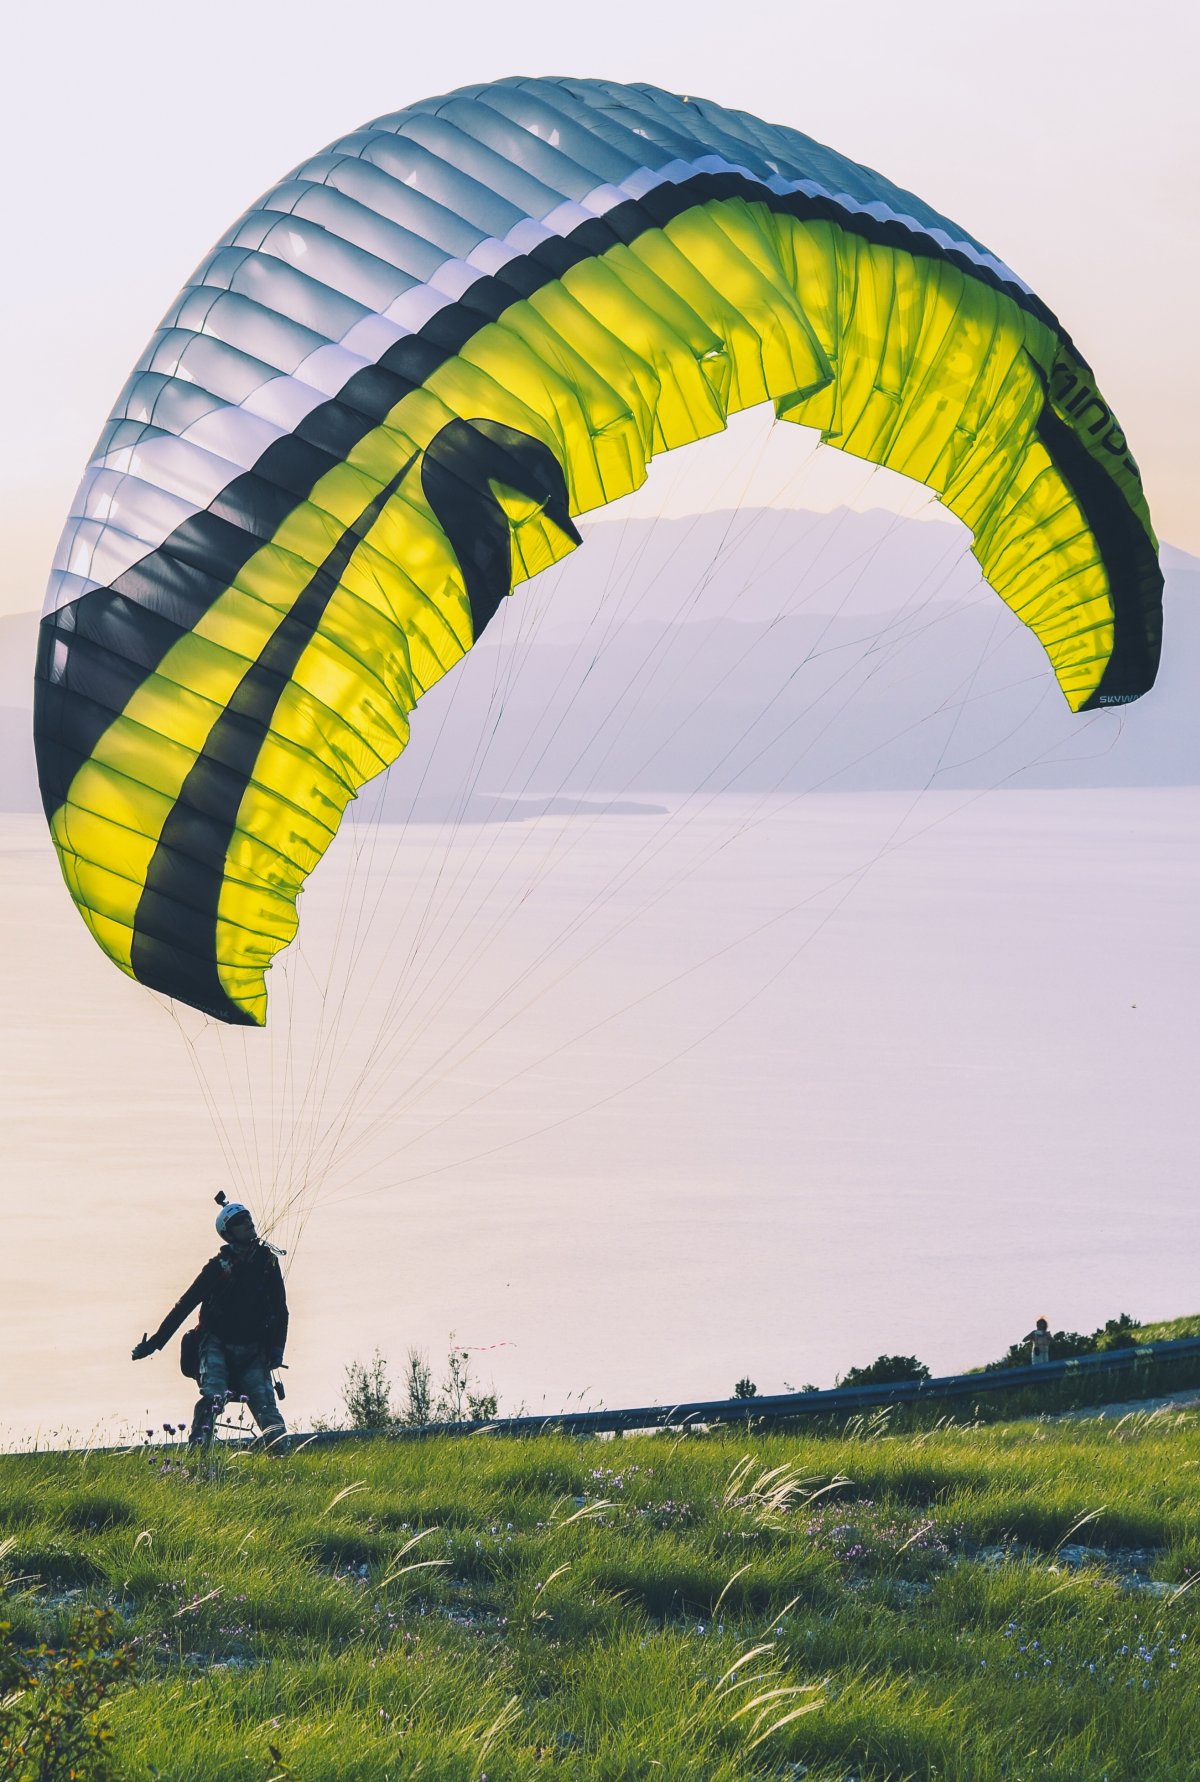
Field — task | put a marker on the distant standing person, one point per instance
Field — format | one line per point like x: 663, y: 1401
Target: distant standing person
x: 243, y: 1326
x: 1039, y: 1342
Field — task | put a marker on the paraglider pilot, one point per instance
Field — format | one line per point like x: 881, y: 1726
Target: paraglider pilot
x: 242, y: 1330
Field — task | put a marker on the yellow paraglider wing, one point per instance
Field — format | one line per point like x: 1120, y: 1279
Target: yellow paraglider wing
x: 380, y: 402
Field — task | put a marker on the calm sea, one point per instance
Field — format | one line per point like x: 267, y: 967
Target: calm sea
x: 632, y: 1104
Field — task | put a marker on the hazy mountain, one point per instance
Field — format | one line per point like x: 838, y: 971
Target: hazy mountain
x: 746, y: 651
x: 780, y: 650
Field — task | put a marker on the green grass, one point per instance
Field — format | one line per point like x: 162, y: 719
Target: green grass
x: 715, y: 1606
x: 1170, y: 1330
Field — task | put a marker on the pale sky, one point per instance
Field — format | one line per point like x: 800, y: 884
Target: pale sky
x: 1062, y: 133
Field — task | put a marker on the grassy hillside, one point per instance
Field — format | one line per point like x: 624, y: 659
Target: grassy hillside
x: 1145, y: 1378
x: 1170, y: 1330
x: 863, y: 1605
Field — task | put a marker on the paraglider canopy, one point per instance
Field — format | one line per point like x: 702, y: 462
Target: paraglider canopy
x: 381, y: 400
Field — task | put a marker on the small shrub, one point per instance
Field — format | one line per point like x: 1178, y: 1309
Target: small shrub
x: 745, y: 1388
x: 885, y: 1370
x: 52, y: 1701
x: 367, y: 1394
x: 457, y: 1403
x: 1121, y: 1332
x: 418, y: 1390
x: 452, y: 1404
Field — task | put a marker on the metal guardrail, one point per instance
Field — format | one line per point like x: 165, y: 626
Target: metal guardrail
x: 784, y: 1407
x: 790, y: 1407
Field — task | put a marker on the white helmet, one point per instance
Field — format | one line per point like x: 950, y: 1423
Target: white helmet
x: 233, y: 1209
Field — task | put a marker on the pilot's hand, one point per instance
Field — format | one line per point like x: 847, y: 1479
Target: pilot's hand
x: 142, y: 1349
